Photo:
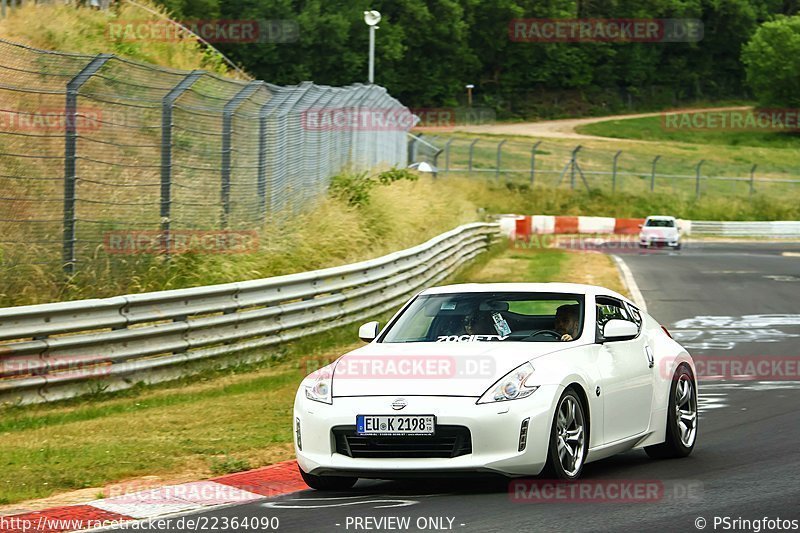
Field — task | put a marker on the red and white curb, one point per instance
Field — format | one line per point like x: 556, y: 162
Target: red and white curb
x: 274, y: 480
x: 522, y: 226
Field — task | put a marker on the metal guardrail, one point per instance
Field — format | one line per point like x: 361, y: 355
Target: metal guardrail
x: 61, y: 350
x: 783, y: 228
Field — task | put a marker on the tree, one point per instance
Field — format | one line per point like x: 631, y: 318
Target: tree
x: 772, y: 62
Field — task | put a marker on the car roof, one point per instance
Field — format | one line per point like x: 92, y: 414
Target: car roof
x: 567, y: 288
x: 660, y: 217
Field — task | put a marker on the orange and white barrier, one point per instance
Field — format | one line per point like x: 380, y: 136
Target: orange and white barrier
x: 521, y: 226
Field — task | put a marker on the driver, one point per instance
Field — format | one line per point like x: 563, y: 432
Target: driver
x: 566, y: 323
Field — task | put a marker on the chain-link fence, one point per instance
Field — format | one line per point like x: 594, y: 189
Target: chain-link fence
x: 90, y: 145
x: 555, y: 164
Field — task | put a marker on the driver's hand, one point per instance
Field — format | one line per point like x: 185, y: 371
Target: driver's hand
x: 566, y: 337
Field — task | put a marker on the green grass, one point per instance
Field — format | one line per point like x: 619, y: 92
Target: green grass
x: 70, y: 28
x: 653, y: 129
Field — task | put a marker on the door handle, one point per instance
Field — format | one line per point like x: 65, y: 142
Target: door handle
x: 650, y: 359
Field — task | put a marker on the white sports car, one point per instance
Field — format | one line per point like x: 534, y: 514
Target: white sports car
x: 508, y: 378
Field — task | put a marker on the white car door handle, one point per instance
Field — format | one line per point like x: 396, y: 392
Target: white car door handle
x: 650, y: 359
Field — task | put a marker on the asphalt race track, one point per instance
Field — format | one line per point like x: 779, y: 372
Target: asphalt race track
x: 726, y: 301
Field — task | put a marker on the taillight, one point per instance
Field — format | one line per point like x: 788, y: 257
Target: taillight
x: 667, y: 332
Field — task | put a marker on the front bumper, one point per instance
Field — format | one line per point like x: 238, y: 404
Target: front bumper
x: 659, y: 241
x: 494, y: 428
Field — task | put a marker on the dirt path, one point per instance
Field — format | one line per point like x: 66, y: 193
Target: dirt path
x: 565, y: 128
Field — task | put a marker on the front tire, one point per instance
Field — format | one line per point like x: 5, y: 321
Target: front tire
x: 327, y: 482
x: 569, y: 438
x: 681, y: 418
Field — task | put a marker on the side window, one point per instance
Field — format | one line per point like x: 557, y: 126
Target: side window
x: 636, y: 316
x: 611, y: 308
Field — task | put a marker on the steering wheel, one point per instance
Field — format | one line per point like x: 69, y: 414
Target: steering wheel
x: 556, y: 335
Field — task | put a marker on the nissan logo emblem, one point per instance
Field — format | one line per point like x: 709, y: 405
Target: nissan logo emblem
x: 399, y: 404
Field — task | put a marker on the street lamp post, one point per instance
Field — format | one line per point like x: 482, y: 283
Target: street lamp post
x: 372, y: 18
x: 469, y: 94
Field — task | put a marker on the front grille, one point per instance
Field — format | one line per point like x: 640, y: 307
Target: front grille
x: 449, y: 441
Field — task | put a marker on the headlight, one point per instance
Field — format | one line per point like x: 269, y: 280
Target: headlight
x: 513, y: 386
x: 319, y: 388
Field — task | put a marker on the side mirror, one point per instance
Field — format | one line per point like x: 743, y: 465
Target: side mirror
x: 617, y: 330
x: 367, y: 332
x: 641, y: 225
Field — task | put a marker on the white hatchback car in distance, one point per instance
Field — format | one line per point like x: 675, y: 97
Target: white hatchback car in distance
x: 660, y: 231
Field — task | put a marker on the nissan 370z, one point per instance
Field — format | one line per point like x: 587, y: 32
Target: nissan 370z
x: 510, y: 378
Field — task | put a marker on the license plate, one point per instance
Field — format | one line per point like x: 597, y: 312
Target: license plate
x: 395, y: 425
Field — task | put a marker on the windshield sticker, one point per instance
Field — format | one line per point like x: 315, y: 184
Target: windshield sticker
x: 469, y: 338
x: 500, y: 325
x: 448, y: 306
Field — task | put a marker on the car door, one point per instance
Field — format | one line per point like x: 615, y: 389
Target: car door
x: 627, y: 375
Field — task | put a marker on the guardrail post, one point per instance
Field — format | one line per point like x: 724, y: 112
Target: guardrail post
x: 752, y: 179
x: 697, y: 178
x: 614, y: 172
x: 167, y: 104
x: 533, y: 161
x: 471, y: 152
x: 70, y: 157
x: 499, y: 159
x: 653, y: 174
x: 447, y: 156
x: 227, y: 132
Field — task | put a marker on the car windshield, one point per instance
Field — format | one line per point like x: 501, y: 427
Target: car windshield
x: 660, y: 223
x: 489, y: 317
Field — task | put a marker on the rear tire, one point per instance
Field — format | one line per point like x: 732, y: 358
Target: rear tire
x: 681, y: 418
x: 328, y: 482
x: 569, y: 438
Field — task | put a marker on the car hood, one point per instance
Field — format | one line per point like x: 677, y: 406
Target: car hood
x: 433, y: 368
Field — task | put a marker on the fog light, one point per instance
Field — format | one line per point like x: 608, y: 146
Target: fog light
x: 523, y: 434
x: 297, y: 434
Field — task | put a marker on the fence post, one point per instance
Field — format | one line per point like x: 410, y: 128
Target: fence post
x: 70, y: 158
x: 412, y: 149
x: 447, y: 156
x: 697, y: 178
x: 533, y: 161
x: 227, y: 132
x: 653, y: 174
x: 614, y: 172
x: 573, y: 162
x: 167, y: 104
x: 499, y: 159
x: 471, y: 151
x: 752, y: 179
